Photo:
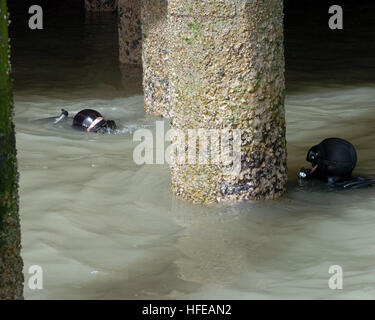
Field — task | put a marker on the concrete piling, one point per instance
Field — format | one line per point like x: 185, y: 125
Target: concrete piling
x: 226, y: 72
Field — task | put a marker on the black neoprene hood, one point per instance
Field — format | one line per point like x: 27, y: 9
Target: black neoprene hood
x: 334, y: 157
x: 85, y: 118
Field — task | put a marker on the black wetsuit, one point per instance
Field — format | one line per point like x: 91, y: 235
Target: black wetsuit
x: 86, y: 120
x: 333, y: 162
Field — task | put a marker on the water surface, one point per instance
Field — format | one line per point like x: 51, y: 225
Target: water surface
x: 104, y: 228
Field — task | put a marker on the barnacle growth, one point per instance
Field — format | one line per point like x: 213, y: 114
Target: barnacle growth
x: 11, y: 277
x: 101, y: 5
x: 155, y: 57
x: 226, y: 71
x: 130, y: 33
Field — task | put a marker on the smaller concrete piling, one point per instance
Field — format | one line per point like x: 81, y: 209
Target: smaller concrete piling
x: 11, y: 276
x: 155, y: 56
x: 130, y: 32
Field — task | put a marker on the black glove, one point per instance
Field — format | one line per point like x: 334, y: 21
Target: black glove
x: 111, y: 125
x: 304, y: 174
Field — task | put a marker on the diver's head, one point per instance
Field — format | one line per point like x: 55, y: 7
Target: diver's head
x: 333, y: 157
x: 92, y: 121
x: 313, y: 155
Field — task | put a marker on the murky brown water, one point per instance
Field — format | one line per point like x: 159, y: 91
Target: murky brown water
x: 103, y: 227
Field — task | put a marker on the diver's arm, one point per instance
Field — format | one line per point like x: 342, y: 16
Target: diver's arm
x: 64, y: 115
x: 356, y: 183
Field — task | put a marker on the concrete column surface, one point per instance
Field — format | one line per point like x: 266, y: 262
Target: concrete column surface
x: 130, y: 31
x: 226, y: 62
x: 11, y: 264
x: 101, y: 5
x: 155, y: 56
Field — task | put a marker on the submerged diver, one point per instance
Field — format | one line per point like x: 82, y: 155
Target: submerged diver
x: 88, y: 120
x: 333, y: 161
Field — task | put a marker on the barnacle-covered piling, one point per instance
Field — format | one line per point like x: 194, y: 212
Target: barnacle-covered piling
x: 101, y: 5
x: 226, y: 63
x: 155, y: 56
x: 130, y: 31
x: 11, y: 277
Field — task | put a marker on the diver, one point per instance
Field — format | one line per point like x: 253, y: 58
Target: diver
x: 86, y: 120
x: 333, y: 161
